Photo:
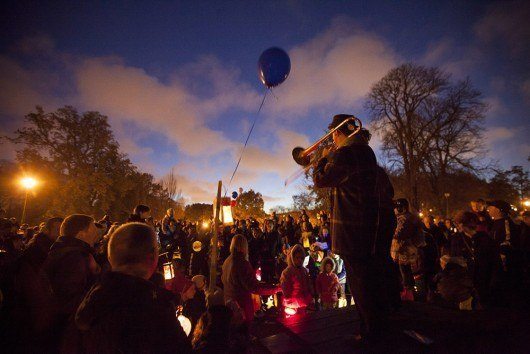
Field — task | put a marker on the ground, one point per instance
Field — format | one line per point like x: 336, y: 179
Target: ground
x: 451, y: 331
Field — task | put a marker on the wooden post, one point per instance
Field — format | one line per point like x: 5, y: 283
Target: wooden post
x: 214, y: 251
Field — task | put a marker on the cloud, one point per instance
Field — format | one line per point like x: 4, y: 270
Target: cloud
x: 129, y: 93
x: 525, y: 90
x: 22, y: 89
x: 336, y: 67
x: 506, y: 26
x: 278, y: 159
x: 496, y: 134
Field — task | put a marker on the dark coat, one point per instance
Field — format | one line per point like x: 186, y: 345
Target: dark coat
x: 27, y: 314
x: 72, y: 270
x: 486, y: 266
x: 127, y: 314
x: 199, y: 263
x: 38, y: 249
x: 498, y: 232
x: 363, y: 219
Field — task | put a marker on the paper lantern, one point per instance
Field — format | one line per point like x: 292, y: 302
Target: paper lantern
x: 290, y: 311
x: 169, y: 273
x: 185, y: 323
x: 225, y: 216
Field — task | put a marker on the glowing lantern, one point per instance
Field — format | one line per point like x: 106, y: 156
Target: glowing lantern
x: 225, y: 216
x: 185, y: 323
x: 169, y: 273
x: 290, y: 311
x: 258, y: 274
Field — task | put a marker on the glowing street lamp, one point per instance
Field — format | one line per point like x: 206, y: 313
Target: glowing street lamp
x: 28, y: 183
x: 526, y: 203
x: 447, y: 195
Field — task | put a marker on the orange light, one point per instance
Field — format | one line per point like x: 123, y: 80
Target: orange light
x: 28, y: 182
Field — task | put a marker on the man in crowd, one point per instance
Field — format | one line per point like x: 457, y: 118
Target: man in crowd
x: 507, y: 236
x: 29, y: 310
x: 39, y: 246
x: 362, y: 224
x: 408, y: 238
x: 479, y: 208
x: 141, y: 213
x: 482, y: 258
x: 125, y: 312
x: 70, y: 265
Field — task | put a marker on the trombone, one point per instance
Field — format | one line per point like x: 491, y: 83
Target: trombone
x: 303, y: 156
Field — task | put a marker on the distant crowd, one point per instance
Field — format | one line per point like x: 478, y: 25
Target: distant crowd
x: 76, y: 285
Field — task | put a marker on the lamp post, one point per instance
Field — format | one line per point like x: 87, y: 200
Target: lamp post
x: 27, y: 183
x: 447, y: 195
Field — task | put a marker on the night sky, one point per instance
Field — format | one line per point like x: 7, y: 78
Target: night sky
x: 178, y: 80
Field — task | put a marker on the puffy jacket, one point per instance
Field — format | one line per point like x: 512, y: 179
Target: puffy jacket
x: 295, y: 282
x: 327, y: 284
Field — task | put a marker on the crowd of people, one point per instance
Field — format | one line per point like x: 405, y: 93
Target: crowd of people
x: 76, y: 285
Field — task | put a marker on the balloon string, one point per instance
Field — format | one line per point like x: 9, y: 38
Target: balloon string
x: 248, y: 137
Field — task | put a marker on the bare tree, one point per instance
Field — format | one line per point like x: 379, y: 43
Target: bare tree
x: 171, y: 186
x: 458, y: 141
x: 427, y: 124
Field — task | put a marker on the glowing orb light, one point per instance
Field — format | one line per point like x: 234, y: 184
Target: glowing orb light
x: 185, y: 323
x: 290, y: 311
x: 28, y: 182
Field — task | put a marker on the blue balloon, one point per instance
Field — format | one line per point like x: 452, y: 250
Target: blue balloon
x: 274, y: 66
x: 234, y: 195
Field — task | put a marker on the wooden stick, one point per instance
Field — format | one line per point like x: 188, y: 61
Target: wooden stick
x: 213, y: 250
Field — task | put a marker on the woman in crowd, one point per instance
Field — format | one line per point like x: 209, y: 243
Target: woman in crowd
x: 239, y: 278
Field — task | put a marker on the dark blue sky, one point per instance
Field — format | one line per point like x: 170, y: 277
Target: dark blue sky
x: 129, y: 59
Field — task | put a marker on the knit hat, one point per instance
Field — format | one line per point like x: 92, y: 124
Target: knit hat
x: 199, y: 281
x: 501, y: 205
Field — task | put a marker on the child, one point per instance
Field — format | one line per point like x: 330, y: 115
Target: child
x: 295, y: 281
x: 328, y: 284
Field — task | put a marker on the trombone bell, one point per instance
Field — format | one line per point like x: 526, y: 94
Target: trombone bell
x: 299, y: 156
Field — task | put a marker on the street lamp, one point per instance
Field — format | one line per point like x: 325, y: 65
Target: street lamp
x: 526, y: 204
x: 28, y: 183
x: 447, y: 195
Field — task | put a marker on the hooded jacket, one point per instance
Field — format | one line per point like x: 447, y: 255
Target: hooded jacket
x: 127, y: 314
x: 295, y: 282
x: 327, y: 284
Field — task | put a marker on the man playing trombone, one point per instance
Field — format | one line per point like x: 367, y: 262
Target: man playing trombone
x: 362, y: 223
